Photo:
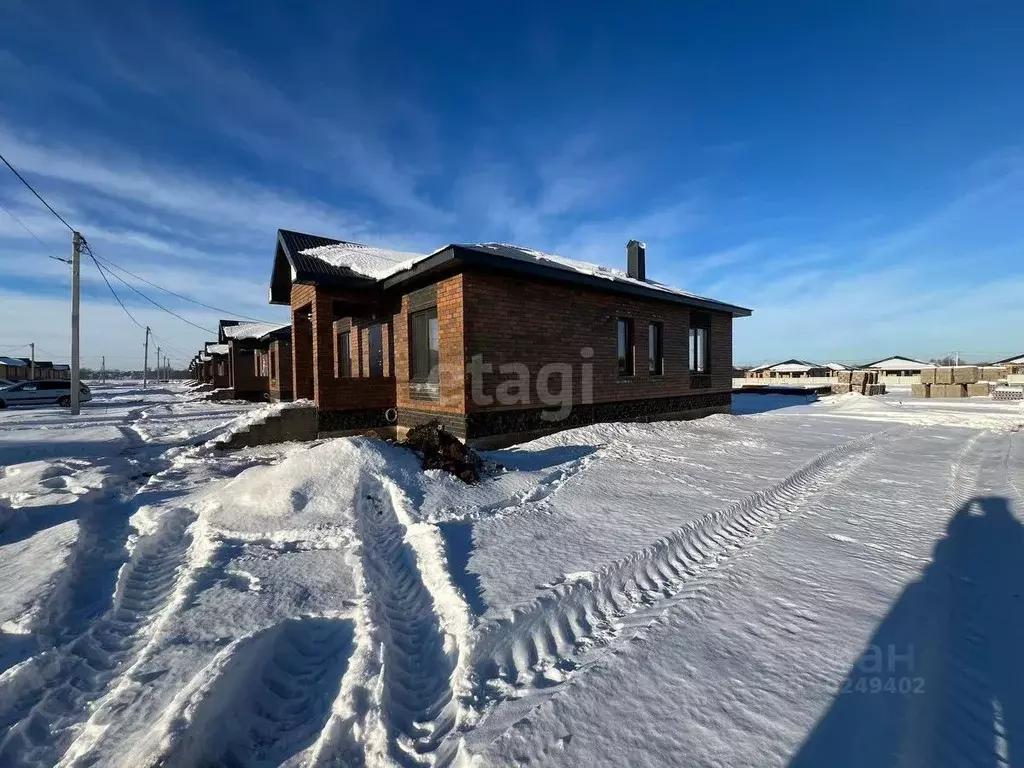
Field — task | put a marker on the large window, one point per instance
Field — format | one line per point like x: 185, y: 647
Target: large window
x: 624, y: 346
x: 344, y: 354
x: 423, y: 345
x: 655, y: 357
x: 376, y: 351
x: 698, y: 350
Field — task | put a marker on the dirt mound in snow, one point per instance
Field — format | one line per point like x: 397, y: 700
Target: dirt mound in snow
x: 443, y: 450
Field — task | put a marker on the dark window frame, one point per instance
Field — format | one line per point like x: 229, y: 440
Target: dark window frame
x: 625, y: 347
x: 699, y: 339
x: 345, y: 355
x: 424, y: 359
x: 655, y: 348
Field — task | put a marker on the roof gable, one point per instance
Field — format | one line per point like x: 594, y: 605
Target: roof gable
x: 899, y: 362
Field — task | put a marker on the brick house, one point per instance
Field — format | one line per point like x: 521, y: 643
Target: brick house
x: 789, y: 369
x: 214, y: 358
x: 250, y: 360
x: 497, y: 342
x: 13, y: 369
x: 1014, y: 365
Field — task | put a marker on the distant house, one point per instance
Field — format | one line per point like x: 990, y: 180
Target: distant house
x: 62, y: 372
x: 898, y: 365
x: 13, y: 369
x: 474, y: 335
x: 835, y: 368
x: 250, y: 359
x: 789, y: 369
x: 215, y: 360
x: 1013, y: 364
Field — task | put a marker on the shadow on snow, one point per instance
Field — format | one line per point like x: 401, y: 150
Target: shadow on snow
x: 941, y: 682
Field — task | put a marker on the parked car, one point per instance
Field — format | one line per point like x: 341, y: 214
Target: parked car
x: 5, y: 383
x: 42, y: 393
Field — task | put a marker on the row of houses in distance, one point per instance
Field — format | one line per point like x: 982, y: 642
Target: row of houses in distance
x: 494, y: 341
x: 23, y: 369
x: 895, y: 366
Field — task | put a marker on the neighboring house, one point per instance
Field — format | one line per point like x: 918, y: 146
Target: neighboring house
x: 789, y: 369
x: 13, y: 369
x: 249, y: 356
x: 62, y: 372
x: 835, y: 368
x: 494, y: 340
x: 898, y: 365
x: 1014, y: 365
x: 44, y: 370
x: 215, y: 360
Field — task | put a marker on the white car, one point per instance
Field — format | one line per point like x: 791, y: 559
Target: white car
x: 52, y: 392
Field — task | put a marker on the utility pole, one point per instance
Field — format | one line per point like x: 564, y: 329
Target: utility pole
x: 32, y: 367
x: 956, y: 357
x: 103, y: 370
x: 158, y: 358
x: 145, y: 363
x: 76, y: 247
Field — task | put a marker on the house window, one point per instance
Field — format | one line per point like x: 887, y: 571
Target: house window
x: 699, y: 350
x: 376, y: 351
x: 624, y: 346
x: 344, y: 354
x: 423, y: 345
x: 655, y: 358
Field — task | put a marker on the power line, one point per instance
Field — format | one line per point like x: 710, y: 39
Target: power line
x: 131, y: 287
x: 109, y: 263
x: 33, y: 234
x: 118, y: 298
x: 33, y: 191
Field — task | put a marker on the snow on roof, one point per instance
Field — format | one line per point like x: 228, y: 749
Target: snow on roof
x: 62, y: 367
x: 1012, y: 361
x: 14, y: 362
x: 251, y: 330
x: 217, y: 349
x: 899, y: 363
x: 794, y: 367
x: 572, y: 265
x: 837, y: 367
x: 365, y: 260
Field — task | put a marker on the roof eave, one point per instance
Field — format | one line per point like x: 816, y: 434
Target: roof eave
x: 454, y: 253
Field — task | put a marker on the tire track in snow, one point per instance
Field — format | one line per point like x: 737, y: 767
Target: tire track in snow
x: 539, y: 647
x: 270, y: 699
x: 418, y: 657
x: 42, y: 699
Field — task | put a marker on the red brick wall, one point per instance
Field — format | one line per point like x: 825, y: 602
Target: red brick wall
x: 302, y: 341
x: 242, y: 366
x: 451, y: 352
x: 513, y: 320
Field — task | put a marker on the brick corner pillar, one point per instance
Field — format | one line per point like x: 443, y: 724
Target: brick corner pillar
x: 323, y: 344
x: 452, y: 361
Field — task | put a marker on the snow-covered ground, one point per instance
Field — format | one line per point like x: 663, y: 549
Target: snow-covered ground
x: 833, y: 583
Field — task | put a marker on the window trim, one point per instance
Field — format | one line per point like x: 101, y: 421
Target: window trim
x: 625, y: 363
x: 424, y: 385
x: 655, y: 356
x: 344, y: 355
x: 703, y: 366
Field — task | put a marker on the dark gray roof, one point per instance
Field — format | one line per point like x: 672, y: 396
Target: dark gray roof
x: 292, y: 266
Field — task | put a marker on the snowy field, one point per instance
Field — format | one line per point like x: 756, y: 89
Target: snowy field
x: 822, y: 584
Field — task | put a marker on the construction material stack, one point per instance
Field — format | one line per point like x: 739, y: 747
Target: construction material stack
x: 958, y: 381
x: 862, y: 382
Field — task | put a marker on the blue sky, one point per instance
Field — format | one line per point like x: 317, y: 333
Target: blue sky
x: 854, y: 172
